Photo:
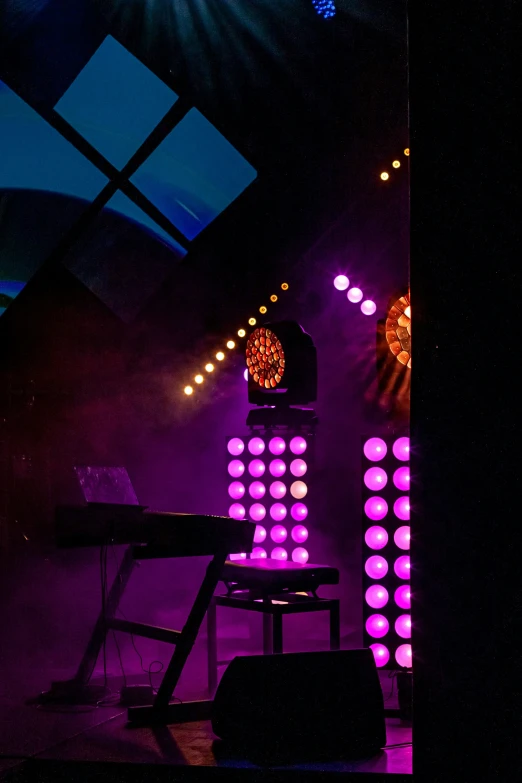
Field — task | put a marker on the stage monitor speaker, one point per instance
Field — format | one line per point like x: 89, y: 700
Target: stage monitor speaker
x: 302, y: 705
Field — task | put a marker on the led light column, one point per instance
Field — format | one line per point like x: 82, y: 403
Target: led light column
x: 268, y: 484
x: 386, y: 561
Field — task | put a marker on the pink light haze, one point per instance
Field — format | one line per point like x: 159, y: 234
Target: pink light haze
x: 279, y: 553
x: 256, y: 468
x: 236, y: 511
x: 376, y: 567
x: 377, y: 596
x: 401, y: 449
x: 277, y: 446
x: 256, y: 446
x: 403, y: 655
x: 277, y: 468
x: 259, y: 535
x: 376, y: 537
x: 402, y: 537
x: 257, y: 490
x: 235, y: 447
x: 401, y: 478
x: 403, y: 626
x: 401, y: 508
x: 236, y: 468
x: 375, y: 449
x: 299, y: 534
x: 298, y: 467
x: 380, y: 653
x: 377, y: 626
x: 236, y: 490
x: 300, y: 555
x: 376, y: 508
x: 278, y: 511
x: 299, y: 512
x: 402, y: 567
x: 403, y: 597
x: 298, y: 445
x: 375, y: 479
x: 278, y: 534
x: 257, y: 512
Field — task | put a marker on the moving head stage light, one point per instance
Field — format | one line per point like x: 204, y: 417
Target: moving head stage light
x: 282, y: 365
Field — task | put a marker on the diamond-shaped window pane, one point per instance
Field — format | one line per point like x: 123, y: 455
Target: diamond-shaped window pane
x: 115, y: 102
x: 194, y: 174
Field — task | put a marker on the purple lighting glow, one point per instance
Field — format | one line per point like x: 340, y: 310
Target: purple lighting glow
x: 403, y: 626
x: 277, y: 468
x: 236, y: 511
x: 401, y: 449
x: 377, y: 596
x: 380, y: 653
x: 401, y: 479
x: 401, y: 508
x: 278, y: 534
x: 236, y: 468
x: 298, y: 490
x: 257, y: 512
x: 354, y: 295
x: 277, y: 446
x: 375, y: 449
x: 403, y: 597
x: 299, y: 512
x: 298, y: 445
x: 375, y: 478
x: 402, y: 537
x: 368, y: 307
x: 341, y: 282
x: 299, y: 534
x: 277, y: 490
x: 377, y: 626
x: 376, y: 508
x: 300, y: 555
x: 256, y: 446
x: 259, y: 535
x: 278, y: 512
x: 236, y: 447
x: 376, y: 567
x: 402, y: 567
x: 376, y: 537
x: 403, y: 655
x: 245, y: 375
x: 257, y: 553
x: 279, y: 553
x: 236, y: 490
x: 238, y: 556
x: 257, y: 490
x: 298, y: 467
x: 256, y: 468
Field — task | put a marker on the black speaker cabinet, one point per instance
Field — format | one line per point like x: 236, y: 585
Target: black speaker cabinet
x: 313, y: 704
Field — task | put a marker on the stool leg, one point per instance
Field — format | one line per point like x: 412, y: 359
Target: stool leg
x: 212, y: 647
x: 335, y: 629
x: 268, y: 638
x: 277, y: 624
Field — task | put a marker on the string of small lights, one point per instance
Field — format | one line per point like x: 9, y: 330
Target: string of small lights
x: 396, y: 165
x: 230, y: 345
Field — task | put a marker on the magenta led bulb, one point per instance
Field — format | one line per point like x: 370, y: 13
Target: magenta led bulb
x: 256, y: 446
x: 236, y: 490
x: 377, y: 626
x: 380, y: 653
x: 235, y: 447
x: 401, y: 449
x: 341, y: 282
x: 376, y: 537
x: 402, y: 567
x: 256, y: 468
x: 298, y: 445
x: 376, y: 508
x: 375, y: 449
x: 236, y: 511
x: 376, y: 596
x: 277, y: 446
x: 236, y: 468
x: 376, y: 567
x: 375, y: 479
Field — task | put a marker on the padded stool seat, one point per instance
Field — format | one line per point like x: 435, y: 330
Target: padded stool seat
x: 273, y: 588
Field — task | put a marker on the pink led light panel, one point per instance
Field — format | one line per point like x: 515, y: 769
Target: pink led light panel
x: 258, y: 553
x: 236, y: 511
x: 239, y: 556
x: 402, y: 537
x: 403, y: 597
x: 377, y: 596
x: 401, y: 508
x: 236, y: 490
x: 299, y: 534
x: 279, y: 553
x: 298, y: 490
x: 376, y: 537
x: 298, y: 445
x: 277, y: 446
x: 259, y: 535
x: 257, y: 490
x: 256, y: 468
x: 277, y: 490
x: 402, y: 567
x: 376, y: 508
x: 298, y: 467
x: 341, y: 282
x: 380, y: 653
x: 278, y: 534
x: 235, y: 447
x: 401, y: 479
x: 401, y: 449
x: 403, y: 655
x: 300, y: 555
x: 256, y: 446
x: 299, y: 512
x: 403, y: 626
x: 257, y: 512
x: 277, y: 468
x: 375, y: 479
x: 377, y: 626
x: 376, y: 567
x: 375, y: 449
x: 278, y: 512
x: 236, y: 468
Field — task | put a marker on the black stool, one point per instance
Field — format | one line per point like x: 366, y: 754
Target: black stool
x: 274, y: 588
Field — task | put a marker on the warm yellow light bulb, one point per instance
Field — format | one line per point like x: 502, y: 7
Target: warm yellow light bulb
x: 262, y: 309
x: 199, y: 379
x: 188, y: 390
x: 220, y: 356
x: 396, y: 164
x: 252, y: 321
x: 273, y: 298
x: 231, y: 344
x: 209, y: 367
x: 284, y: 286
x: 407, y: 312
x: 241, y: 332
x: 407, y: 151
x: 385, y: 176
